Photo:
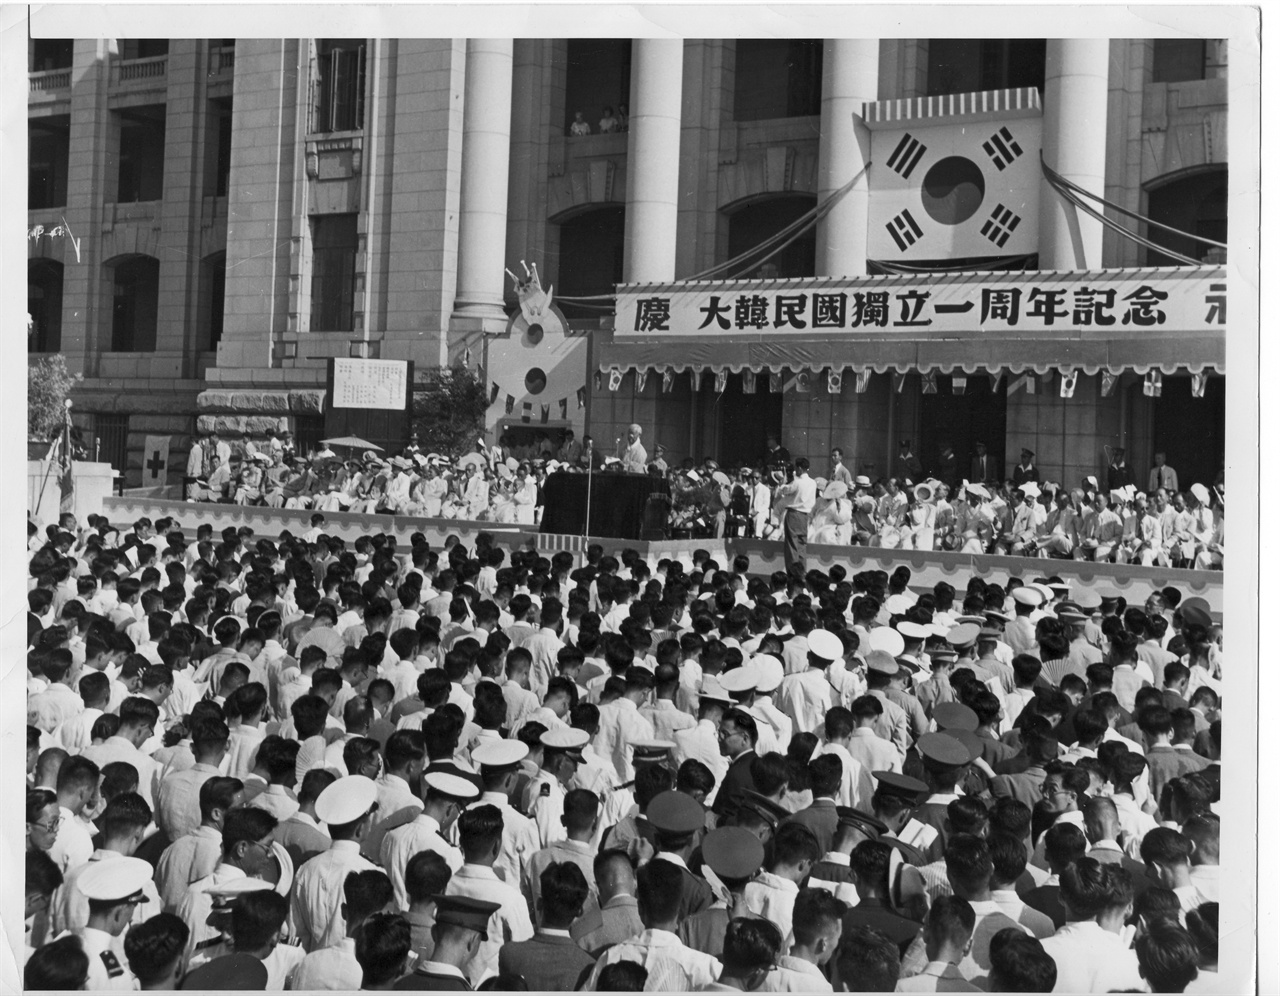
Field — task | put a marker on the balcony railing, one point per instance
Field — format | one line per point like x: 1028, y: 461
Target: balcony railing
x: 50, y: 80
x: 133, y: 70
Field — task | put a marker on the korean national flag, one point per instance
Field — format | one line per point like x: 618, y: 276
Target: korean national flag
x: 955, y: 176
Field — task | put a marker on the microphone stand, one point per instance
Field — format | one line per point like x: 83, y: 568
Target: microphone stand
x: 586, y: 519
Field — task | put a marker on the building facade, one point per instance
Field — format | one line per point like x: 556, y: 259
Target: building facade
x: 244, y: 210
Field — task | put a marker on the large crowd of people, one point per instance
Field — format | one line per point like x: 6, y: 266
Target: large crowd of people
x: 298, y: 763
x: 1108, y: 521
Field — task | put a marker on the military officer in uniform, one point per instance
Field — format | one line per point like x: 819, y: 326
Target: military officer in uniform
x: 731, y: 858
x: 561, y: 755
x: 833, y: 872
x: 462, y: 924
x: 892, y: 804
x: 114, y: 890
x: 676, y: 818
x: 944, y: 758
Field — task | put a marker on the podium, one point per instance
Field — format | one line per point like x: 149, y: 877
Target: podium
x: 618, y: 504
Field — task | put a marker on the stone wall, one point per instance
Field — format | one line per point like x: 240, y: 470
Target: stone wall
x: 239, y: 416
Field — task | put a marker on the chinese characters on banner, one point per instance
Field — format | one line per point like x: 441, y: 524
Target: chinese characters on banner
x: 1117, y: 302
x: 380, y: 384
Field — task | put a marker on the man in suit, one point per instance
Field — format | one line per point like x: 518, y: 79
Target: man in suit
x: 1119, y: 474
x: 1162, y: 476
x: 738, y: 736
x: 982, y: 467
x: 551, y: 960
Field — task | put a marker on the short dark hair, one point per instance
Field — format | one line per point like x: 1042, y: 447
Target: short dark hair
x: 750, y: 945
x: 968, y: 860
x: 1089, y: 888
x: 154, y: 945
x: 1020, y: 964
x: 659, y: 891
x: 58, y: 965
x: 813, y: 914
x: 1164, y: 845
x: 427, y: 874
x: 366, y: 893
x: 867, y: 961
x: 826, y: 771
x: 1168, y: 956
x: 564, y: 889
x: 256, y: 916
x: 246, y: 824
x: 622, y: 977
x: 382, y: 945
x: 950, y: 919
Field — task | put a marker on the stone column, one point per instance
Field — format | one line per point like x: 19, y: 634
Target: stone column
x: 1075, y: 145
x: 850, y: 77
x: 653, y: 160
x: 486, y: 142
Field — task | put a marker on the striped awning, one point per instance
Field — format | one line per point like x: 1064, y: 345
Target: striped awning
x: 1169, y: 355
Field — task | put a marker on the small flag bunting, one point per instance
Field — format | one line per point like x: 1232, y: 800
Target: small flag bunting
x: 1198, y: 382
x: 835, y: 381
x: 564, y: 408
x: 862, y: 380
x: 582, y: 397
x: 1108, y: 383
x: 1067, y: 387
x: 668, y: 380
x: 494, y: 391
x: 1153, y: 384
x: 722, y: 379
x: 642, y: 378
x: 526, y: 411
x: 929, y: 382
x: 748, y: 382
x: 958, y: 383
x: 615, y: 378
x: 511, y: 404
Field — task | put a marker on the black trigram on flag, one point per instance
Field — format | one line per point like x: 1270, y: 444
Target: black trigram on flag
x: 904, y: 230
x: 906, y: 155
x: 1002, y: 148
x: 1000, y: 225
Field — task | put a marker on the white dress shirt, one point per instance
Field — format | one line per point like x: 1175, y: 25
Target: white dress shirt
x: 672, y: 966
x: 315, y: 909
x: 188, y: 859
x: 1092, y: 960
x: 510, y: 923
x: 402, y: 843
x: 621, y: 726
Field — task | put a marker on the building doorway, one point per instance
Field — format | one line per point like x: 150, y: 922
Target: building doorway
x: 1191, y: 432
x: 743, y: 421
x: 973, y: 416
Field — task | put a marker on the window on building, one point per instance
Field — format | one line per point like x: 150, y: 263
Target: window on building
x: 48, y: 142
x: 591, y: 248
x: 141, y: 154
x: 334, y: 241
x: 212, y: 301
x: 777, y: 78
x: 44, y: 305
x: 1176, y: 60
x: 112, y: 444
x: 1195, y: 204
x: 598, y: 76
x: 51, y: 53
x: 143, y: 48
x: 338, y: 85
x: 217, y: 171
x: 308, y: 430
x: 967, y: 65
x: 135, y: 290
x: 751, y: 225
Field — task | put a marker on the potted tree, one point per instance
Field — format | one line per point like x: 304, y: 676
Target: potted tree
x: 49, y: 384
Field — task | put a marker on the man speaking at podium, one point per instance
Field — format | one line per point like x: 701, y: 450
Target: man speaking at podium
x: 634, y: 459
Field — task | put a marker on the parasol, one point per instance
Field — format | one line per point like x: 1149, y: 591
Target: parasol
x: 354, y: 442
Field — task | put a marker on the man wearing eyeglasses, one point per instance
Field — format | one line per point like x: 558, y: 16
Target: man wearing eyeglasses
x: 738, y: 737
x: 246, y: 851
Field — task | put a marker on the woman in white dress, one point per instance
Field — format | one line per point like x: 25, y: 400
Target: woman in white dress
x: 832, y: 521
x: 501, y: 503
x: 429, y: 493
x: 525, y: 498
x: 918, y: 528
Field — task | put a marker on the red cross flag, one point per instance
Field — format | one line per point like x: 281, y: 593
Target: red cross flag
x: 155, y: 462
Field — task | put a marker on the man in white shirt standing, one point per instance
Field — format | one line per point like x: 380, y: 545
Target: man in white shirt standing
x: 632, y: 454
x: 797, y: 498
x: 480, y: 830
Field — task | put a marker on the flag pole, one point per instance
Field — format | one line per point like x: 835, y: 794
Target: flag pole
x: 586, y: 519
